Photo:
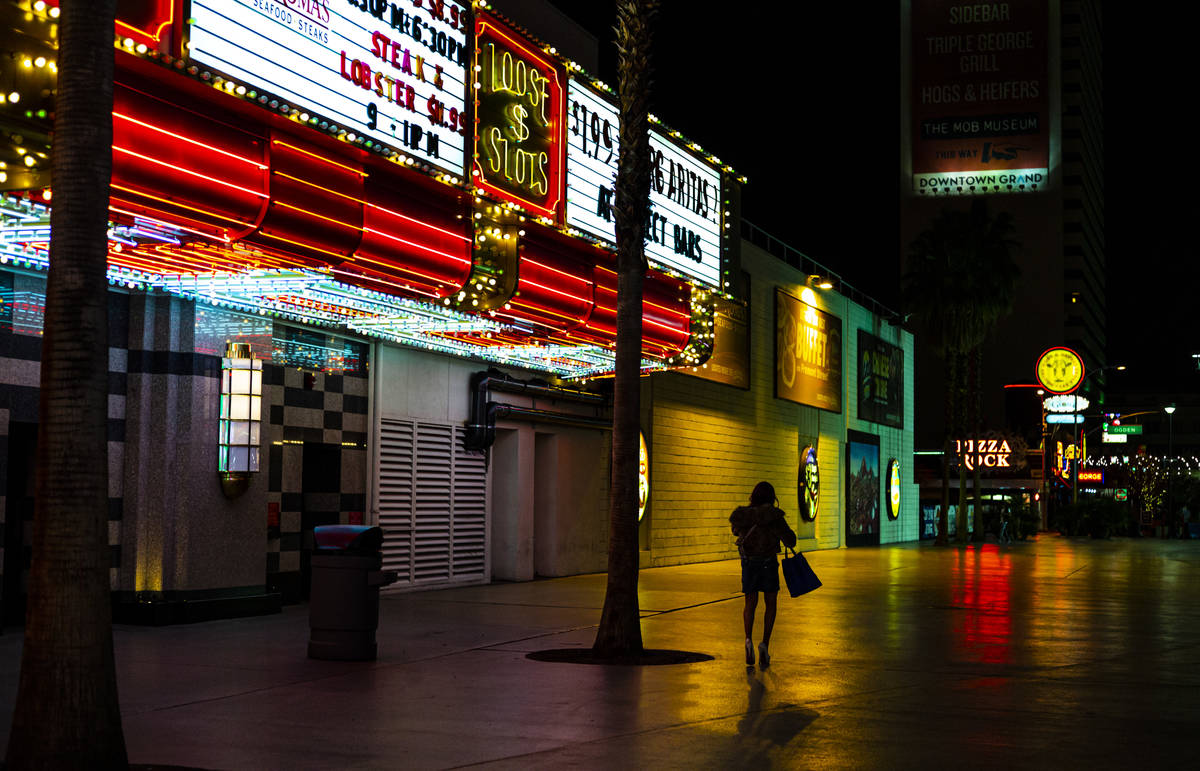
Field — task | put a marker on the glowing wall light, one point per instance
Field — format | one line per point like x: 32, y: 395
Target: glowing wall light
x: 643, y: 475
x: 893, y: 489
x: 240, y: 425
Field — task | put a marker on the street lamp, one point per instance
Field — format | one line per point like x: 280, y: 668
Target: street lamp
x: 1170, y: 410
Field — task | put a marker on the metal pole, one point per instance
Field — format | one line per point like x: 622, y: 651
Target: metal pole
x: 1045, y: 448
x: 1075, y: 467
x: 1170, y: 464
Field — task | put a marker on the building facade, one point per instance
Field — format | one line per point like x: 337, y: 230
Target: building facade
x: 381, y: 290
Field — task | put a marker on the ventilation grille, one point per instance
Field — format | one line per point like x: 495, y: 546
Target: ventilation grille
x: 432, y: 504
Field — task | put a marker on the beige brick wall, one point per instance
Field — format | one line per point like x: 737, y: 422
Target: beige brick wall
x: 710, y: 443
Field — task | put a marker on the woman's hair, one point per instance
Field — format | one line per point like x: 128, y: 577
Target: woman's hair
x: 763, y: 493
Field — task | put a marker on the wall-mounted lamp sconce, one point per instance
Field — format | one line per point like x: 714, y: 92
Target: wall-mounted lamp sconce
x: 820, y: 282
x: 241, y: 424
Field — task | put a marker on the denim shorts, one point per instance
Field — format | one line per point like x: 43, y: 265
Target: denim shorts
x: 760, y: 574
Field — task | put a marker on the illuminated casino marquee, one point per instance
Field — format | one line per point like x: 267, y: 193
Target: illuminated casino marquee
x: 683, y: 230
x: 518, y: 114
x: 392, y: 72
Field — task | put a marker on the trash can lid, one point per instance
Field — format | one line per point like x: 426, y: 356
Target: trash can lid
x: 357, y: 538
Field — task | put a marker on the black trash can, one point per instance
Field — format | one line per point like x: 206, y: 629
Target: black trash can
x: 343, y: 610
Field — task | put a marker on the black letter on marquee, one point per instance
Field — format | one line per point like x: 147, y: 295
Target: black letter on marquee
x: 604, y: 203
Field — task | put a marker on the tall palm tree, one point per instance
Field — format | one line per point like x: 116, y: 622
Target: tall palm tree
x: 620, y: 629
x: 66, y: 713
x: 960, y: 281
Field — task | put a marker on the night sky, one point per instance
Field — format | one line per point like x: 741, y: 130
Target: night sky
x: 803, y: 99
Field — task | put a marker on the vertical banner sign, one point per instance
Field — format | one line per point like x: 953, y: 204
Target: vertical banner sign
x: 519, y: 154
x: 862, y: 489
x: 808, y: 354
x: 880, y: 381
x: 392, y: 73
x: 683, y: 227
x: 980, y: 96
x: 929, y: 520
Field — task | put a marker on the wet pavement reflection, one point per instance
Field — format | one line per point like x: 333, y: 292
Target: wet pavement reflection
x: 1049, y: 653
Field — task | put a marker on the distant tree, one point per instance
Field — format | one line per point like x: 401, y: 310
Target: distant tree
x: 66, y: 713
x: 620, y: 631
x: 960, y: 281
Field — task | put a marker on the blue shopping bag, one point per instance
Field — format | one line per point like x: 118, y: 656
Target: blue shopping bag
x: 798, y: 574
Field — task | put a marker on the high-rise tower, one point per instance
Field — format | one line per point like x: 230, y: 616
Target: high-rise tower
x: 1004, y: 101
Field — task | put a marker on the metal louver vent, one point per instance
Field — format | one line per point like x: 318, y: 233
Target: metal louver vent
x: 432, y: 504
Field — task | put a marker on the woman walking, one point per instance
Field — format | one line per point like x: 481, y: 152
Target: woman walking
x: 760, y: 527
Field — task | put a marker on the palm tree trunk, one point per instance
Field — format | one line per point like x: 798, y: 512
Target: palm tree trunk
x: 960, y: 423
x: 977, y: 429
x: 66, y: 713
x: 620, y: 630
x: 943, y: 534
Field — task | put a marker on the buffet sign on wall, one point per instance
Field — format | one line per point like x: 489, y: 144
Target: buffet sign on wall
x: 808, y: 354
x: 880, y: 381
x: 683, y: 228
x: 518, y: 120
x: 394, y: 73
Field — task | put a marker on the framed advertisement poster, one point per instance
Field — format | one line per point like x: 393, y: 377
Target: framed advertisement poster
x: 862, y: 489
x: 808, y: 354
x: 880, y: 381
x: 730, y: 360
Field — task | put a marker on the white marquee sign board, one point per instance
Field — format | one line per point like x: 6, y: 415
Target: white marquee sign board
x: 684, y: 230
x: 397, y: 78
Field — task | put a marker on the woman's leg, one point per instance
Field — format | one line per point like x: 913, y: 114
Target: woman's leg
x: 768, y: 615
x: 748, y: 613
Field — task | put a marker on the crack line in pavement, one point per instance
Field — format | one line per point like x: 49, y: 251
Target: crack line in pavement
x: 1076, y: 570
x: 689, y: 607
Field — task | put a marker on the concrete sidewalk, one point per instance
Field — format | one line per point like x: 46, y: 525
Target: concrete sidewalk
x: 1056, y: 653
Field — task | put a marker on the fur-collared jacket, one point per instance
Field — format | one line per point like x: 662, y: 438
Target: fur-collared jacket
x: 760, y: 529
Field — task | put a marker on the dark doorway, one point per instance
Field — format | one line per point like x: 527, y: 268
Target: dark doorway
x: 321, y: 486
x: 19, y: 488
